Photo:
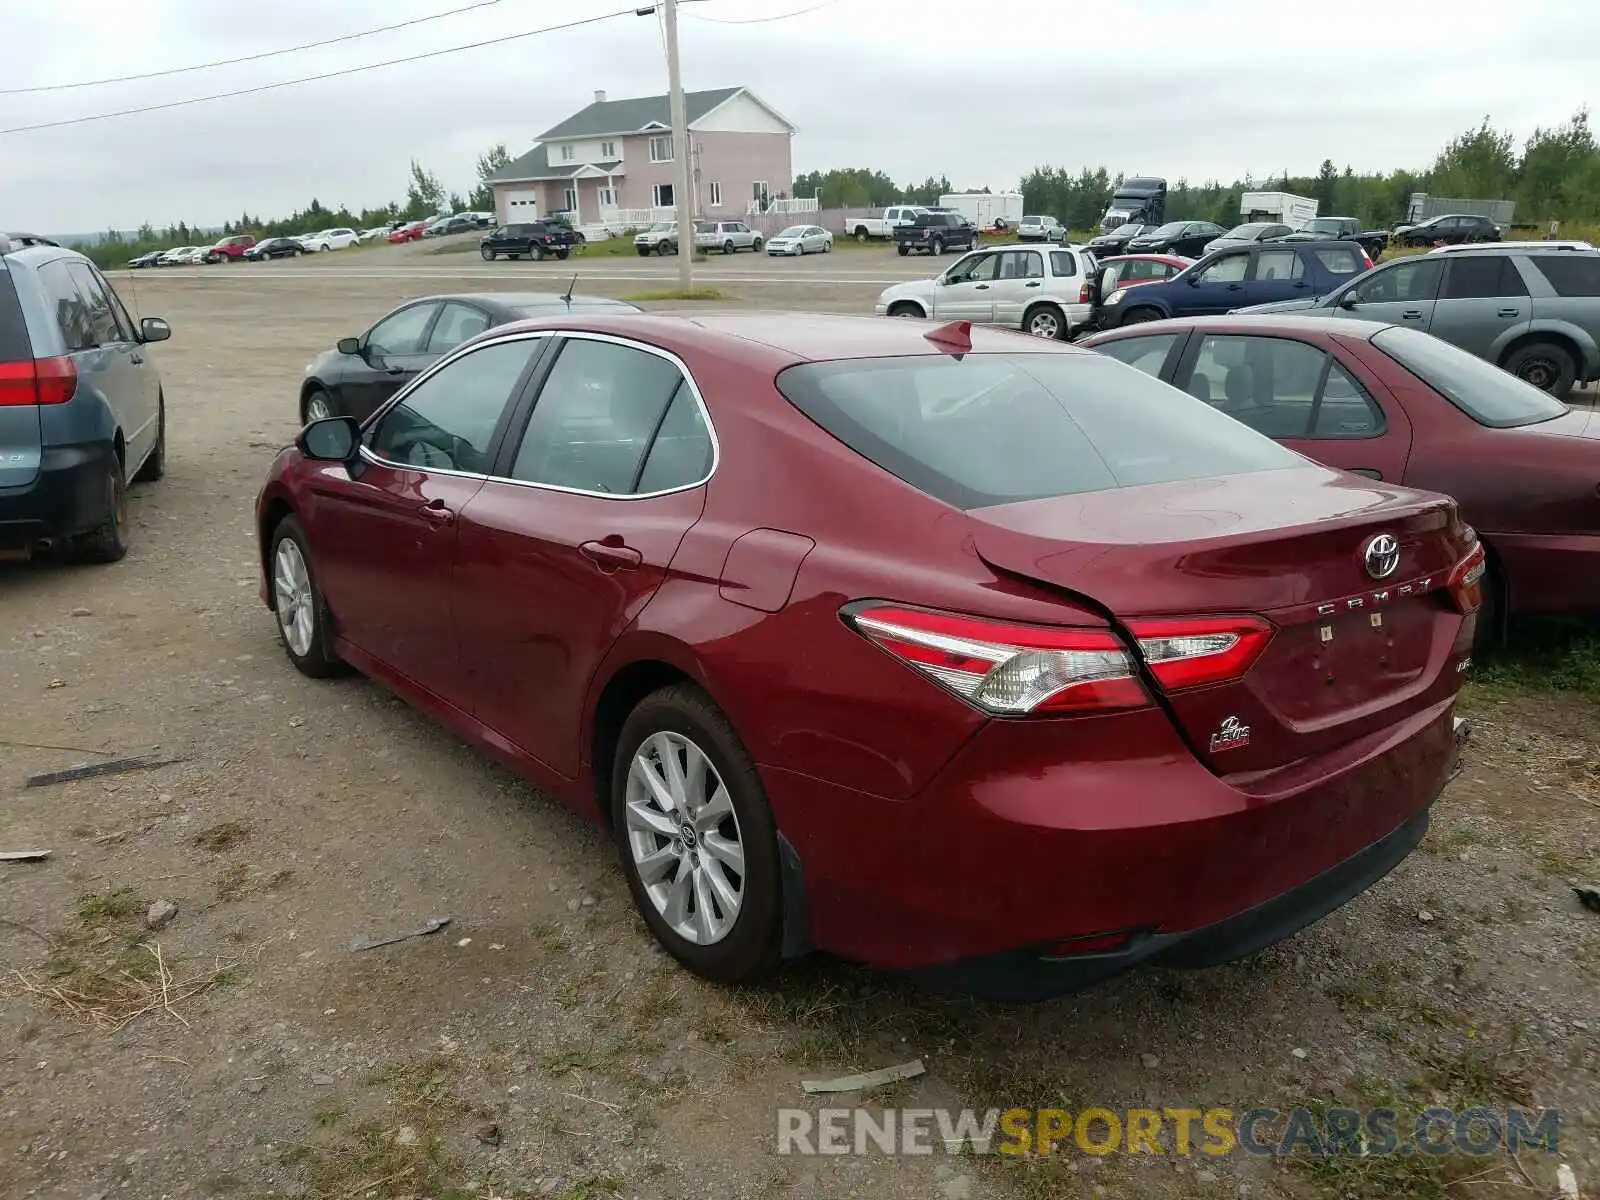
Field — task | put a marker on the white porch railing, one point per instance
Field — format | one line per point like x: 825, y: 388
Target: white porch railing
x: 622, y: 219
x: 793, y: 205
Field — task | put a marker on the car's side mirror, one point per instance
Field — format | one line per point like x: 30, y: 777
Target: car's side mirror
x: 154, y: 329
x: 1348, y: 300
x: 349, y: 345
x: 332, y: 439
x: 1192, y: 280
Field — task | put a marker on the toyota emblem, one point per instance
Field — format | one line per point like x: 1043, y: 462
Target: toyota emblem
x: 1382, y: 556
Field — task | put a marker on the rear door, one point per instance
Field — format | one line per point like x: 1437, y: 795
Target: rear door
x: 19, y: 414
x: 1572, y: 292
x: 564, y: 547
x: 1019, y: 281
x: 1482, y: 304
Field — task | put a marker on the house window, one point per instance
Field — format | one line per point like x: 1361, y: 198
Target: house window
x: 608, y: 198
x: 572, y: 199
x: 660, y: 149
x: 566, y: 153
x: 608, y: 150
x: 716, y: 194
x: 662, y: 196
x: 758, y: 192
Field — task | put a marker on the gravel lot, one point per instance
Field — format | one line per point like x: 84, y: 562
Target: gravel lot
x: 540, y: 1046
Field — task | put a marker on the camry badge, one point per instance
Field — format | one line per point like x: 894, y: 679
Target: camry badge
x: 1382, y: 556
x: 1230, y: 735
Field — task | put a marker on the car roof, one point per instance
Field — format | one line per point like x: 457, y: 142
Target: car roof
x: 1519, y: 247
x: 778, y: 339
x: 1263, y: 323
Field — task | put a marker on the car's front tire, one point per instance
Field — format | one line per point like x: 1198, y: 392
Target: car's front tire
x: 755, y: 246
x: 303, y: 623
x: 696, y: 837
x: 486, y: 254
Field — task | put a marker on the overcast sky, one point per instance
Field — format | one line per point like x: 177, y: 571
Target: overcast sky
x: 1188, y: 88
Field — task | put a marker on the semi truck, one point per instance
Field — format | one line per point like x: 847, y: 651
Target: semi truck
x: 1141, y: 200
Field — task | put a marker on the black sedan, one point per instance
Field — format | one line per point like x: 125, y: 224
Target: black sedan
x: 145, y: 260
x: 1185, y: 238
x: 360, y: 373
x: 1109, y: 245
x: 278, y: 247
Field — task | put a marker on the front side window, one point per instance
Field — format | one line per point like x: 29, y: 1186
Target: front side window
x: 988, y: 429
x: 401, y: 333
x: 447, y: 421
x: 598, y: 415
x: 104, y: 327
x: 1408, y: 282
x: 975, y: 268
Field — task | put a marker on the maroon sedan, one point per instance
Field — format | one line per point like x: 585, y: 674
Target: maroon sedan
x: 940, y: 649
x: 1400, y: 406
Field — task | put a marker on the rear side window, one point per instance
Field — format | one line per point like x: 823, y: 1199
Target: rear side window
x: 68, y: 305
x: 1482, y: 277
x: 1063, y: 262
x: 1570, y: 274
x: 1336, y: 260
x: 990, y: 429
x: 15, y: 345
x: 1483, y: 391
x: 1148, y: 353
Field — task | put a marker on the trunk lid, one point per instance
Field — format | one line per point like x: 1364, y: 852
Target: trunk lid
x: 20, y: 436
x: 1349, y: 653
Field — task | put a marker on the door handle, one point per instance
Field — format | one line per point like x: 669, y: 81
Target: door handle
x: 435, y: 513
x: 1234, y: 287
x: 1411, y: 314
x: 139, y: 362
x: 611, y: 555
x: 1034, y: 283
x: 1508, y: 312
x: 1369, y: 472
x: 1302, y: 285
x: 395, y: 370
x: 982, y: 287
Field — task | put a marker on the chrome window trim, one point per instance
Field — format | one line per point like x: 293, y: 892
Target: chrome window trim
x: 571, y: 335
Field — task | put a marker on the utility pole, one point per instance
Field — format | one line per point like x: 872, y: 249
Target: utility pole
x: 683, y: 190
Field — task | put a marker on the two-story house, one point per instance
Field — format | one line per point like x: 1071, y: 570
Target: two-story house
x: 615, y: 162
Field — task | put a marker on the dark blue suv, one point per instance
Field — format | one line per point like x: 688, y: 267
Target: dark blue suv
x: 1235, y: 277
x: 81, y: 407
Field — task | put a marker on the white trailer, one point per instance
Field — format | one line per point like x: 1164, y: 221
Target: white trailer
x: 986, y: 210
x: 1286, y: 209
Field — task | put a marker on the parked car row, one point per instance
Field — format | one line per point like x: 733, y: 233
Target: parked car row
x: 244, y: 247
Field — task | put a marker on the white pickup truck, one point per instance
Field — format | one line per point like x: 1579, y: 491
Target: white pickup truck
x: 896, y: 215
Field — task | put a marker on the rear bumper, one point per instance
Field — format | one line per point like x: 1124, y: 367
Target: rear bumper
x: 67, y: 497
x: 1036, y: 833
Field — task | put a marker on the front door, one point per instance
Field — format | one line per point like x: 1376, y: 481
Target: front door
x: 396, y: 519
x: 1401, y: 293
x: 1216, y: 287
x: 393, y: 353
x: 1483, y: 304
x: 966, y: 292
x: 563, y: 549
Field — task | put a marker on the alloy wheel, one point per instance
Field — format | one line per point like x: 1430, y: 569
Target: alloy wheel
x: 291, y: 585
x: 684, y: 838
x: 317, y: 408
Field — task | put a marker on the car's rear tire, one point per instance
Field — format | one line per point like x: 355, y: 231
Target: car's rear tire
x: 155, y: 464
x: 727, y: 247
x: 107, y: 542
x: 1046, y: 321
x: 904, y: 250
x: 1139, y: 316
x: 938, y: 247
x: 563, y: 255
x: 304, y: 626
x: 696, y: 837
x: 906, y: 308
x: 861, y: 233
x: 536, y: 253
x: 1547, y: 365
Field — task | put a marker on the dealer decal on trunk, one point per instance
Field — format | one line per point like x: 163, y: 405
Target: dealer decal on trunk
x: 1230, y: 735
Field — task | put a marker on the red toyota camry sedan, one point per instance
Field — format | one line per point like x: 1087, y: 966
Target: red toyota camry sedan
x: 940, y: 649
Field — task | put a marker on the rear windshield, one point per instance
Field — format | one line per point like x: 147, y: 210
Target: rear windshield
x: 1483, y: 391
x: 15, y: 345
x: 1570, y: 274
x: 998, y: 428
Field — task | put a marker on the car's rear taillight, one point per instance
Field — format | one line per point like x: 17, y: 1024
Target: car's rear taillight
x: 1083, y: 293
x: 1006, y: 669
x: 1188, y: 652
x: 38, y: 381
x: 1465, y: 583
x: 1366, y: 260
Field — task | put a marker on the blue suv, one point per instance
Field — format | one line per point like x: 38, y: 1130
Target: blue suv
x: 81, y: 407
x: 1235, y: 277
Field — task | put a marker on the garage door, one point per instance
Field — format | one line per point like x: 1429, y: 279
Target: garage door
x: 520, y: 205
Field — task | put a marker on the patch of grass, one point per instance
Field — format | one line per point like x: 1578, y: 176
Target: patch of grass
x: 699, y: 293
x: 1374, y: 991
x: 233, y: 882
x: 326, y: 1116
x: 1542, y: 655
x: 221, y: 838
x: 103, y: 908
x: 592, y: 1187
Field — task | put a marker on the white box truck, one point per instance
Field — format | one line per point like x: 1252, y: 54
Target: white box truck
x: 986, y: 210
x: 1285, y: 209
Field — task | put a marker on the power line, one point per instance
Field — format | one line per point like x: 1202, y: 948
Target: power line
x: 762, y: 20
x: 269, y: 87
x: 231, y: 62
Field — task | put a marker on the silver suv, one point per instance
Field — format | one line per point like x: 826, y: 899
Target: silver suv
x: 1531, y: 308
x: 1045, y: 292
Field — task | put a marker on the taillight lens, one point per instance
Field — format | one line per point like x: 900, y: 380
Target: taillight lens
x: 1465, y: 584
x: 1189, y: 652
x: 1006, y: 669
x: 38, y: 381
x: 1083, y: 293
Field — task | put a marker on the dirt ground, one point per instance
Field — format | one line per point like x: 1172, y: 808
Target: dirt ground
x: 539, y: 1045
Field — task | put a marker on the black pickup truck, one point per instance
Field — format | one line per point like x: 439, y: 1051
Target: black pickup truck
x: 537, y: 239
x: 935, y: 232
x: 1344, y: 229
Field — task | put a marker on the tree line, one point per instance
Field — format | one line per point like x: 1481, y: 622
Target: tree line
x: 1553, y: 175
